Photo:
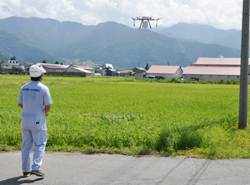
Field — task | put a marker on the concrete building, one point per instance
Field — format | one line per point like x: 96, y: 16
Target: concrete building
x: 11, y: 63
x: 167, y: 72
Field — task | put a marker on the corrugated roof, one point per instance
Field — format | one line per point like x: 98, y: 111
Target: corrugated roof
x: 160, y: 69
x: 139, y: 68
x: 218, y: 61
x: 54, y: 66
x: 82, y: 66
x: 82, y: 70
x: 194, y: 70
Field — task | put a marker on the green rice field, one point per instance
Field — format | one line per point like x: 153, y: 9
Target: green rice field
x: 120, y: 115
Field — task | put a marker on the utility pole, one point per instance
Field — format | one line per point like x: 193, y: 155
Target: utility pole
x: 244, y: 66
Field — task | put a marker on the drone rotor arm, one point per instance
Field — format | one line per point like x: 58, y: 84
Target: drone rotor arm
x: 141, y: 24
x: 149, y: 24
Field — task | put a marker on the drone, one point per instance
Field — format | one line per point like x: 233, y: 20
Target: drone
x: 145, y: 21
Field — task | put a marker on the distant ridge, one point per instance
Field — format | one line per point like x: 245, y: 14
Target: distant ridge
x: 204, y: 33
x: 109, y: 42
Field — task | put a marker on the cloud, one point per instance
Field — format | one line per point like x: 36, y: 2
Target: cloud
x: 220, y: 14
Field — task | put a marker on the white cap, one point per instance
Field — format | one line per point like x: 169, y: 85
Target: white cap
x: 36, y: 70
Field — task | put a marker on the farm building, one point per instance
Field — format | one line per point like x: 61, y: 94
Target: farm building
x: 212, y: 73
x: 54, y: 68
x: 81, y: 70
x: 218, y: 62
x: 167, y: 72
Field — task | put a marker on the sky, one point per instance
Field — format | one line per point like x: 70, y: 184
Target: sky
x: 221, y: 14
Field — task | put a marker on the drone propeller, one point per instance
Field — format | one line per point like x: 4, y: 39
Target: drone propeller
x: 133, y: 20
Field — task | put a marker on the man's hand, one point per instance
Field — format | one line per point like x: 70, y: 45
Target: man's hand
x: 46, y: 111
x: 20, y: 105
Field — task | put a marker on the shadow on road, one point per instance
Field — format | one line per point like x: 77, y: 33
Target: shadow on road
x: 18, y: 180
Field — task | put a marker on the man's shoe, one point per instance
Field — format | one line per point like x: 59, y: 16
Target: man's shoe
x: 26, y: 174
x: 38, y: 173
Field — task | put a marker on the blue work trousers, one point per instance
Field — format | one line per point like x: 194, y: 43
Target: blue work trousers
x: 34, y: 134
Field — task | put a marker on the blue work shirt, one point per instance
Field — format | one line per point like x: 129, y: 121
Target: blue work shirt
x: 34, y: 96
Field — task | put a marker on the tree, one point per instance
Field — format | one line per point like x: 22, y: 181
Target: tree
x: 13, y: 58
x: 56, y: 62
x: 17, y: 70
x: 147, y: 67
x: 44, y: 61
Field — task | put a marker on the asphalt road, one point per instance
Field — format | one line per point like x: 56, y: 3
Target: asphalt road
x: 76, y: 168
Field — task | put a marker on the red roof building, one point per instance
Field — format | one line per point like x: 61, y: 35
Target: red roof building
x: 218, y: 62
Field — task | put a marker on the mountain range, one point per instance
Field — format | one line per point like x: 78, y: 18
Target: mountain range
x: 204, y: 33
x: 33, y: 40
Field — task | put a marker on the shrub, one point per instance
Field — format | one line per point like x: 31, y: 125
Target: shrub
x: 222, y: 81
x: 235, y: 82
x: 203, y: 82
x: 228, y: 82
x: 175, y: 80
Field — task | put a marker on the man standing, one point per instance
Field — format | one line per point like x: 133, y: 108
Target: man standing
x: 34, y: 99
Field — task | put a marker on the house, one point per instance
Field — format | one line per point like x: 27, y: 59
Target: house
x: 211, y: 73
x: 103, y: 69
x: 81, y: 70
x: 127, y: 73
x: 6, y: 70
x: 111, y: 72
x: 11, y: 63
x: 107, y: 66
x: 164, y: 71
